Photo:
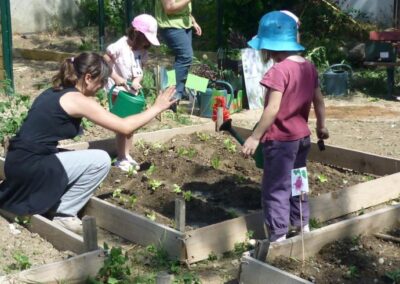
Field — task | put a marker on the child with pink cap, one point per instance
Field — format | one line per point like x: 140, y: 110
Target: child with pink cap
x: 127, y: 57
x: 292, y: 87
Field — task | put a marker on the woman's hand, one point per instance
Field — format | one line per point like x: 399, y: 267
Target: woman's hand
x: 163, y: 100
x: 250, y: 146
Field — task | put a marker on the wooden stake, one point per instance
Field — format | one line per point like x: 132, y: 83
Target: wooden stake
x: 301, y: 229
x: 194, y: 102
x: 180, y: 214
x: 158, y: 87
x: 261, y: 250
x: 220, y: 118
x: 164, y: 278
x: 89, y: 233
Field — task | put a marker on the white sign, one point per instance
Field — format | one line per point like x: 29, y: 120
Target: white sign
x: 299, y: 181
x: 253, y: 70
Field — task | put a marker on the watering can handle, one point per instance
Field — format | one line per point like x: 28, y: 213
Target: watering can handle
x: 228, y: 104
x: 109, y: 97
x: 341, y: 66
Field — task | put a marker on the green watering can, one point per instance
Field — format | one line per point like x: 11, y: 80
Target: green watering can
x: 258, y: 155
x: 126, y: 104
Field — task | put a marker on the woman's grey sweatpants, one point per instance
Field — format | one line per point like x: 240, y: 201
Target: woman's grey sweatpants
x: 86, y: 169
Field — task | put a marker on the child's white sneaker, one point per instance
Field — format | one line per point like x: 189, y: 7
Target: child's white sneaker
x: 73, y: 224
x: 133, y: 162
x: 124, y: 165
x: 277, y: 238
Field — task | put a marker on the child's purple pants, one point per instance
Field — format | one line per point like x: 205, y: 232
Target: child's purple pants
x: 279, y: 207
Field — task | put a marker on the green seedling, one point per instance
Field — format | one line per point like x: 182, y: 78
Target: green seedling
x: 230, y: 146
x: 140, y: 144
x: 361, y: 211
x: 86, y: 124
x: 191, y: 152
x: 394, y: 275
x: 154, y: 184
x: 232, y: 213
x: 22, y: 220
x: 203, y: 136
x: 212, y: 256
x: 322, y: 178
x: 151, y: 170
x: 249, y: 235
x: 355, y: 240
x: 131, y: 172
x: 239, y: 178
x: 176, y: 189
x: 182, y: 151
x: 151, y: 215
x: 187, y: 152
x: 132, y: 200
x: 367, y: 178
x: 117, y: 193
x: 158, y: 146
x: 187, y: 195
x: 22, y: 262
x: 314, y: 223
x: 215, y: 162
x: 352, y: 272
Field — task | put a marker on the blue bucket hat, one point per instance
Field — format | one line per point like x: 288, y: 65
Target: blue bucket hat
x: 278, y: 32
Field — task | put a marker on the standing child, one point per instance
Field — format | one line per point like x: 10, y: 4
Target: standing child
x: 292, y: 87
x: 127, y: 57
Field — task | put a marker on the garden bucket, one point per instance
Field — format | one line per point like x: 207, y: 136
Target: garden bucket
x: 206, y: 100
x: 125, y: 103
x: 336, y: 79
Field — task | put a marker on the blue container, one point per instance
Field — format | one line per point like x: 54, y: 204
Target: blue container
x: 206, y: 100
x: 336, y: 80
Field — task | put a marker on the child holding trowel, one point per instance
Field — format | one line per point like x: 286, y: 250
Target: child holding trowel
x: 292, y: 85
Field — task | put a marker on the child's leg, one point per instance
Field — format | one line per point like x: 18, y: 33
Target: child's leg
x: 279, y: 157
x: 120, y: 140
x: 301, y: 158
x: 85, y: 169
x: 128, y: 144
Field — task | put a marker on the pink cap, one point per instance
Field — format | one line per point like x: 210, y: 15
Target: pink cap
x: 147, y: 25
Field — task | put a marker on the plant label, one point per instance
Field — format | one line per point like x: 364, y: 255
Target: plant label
x: 299, y: 178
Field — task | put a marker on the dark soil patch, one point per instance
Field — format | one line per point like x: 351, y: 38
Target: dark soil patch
x: 362, y: 259
x: 209, y: 170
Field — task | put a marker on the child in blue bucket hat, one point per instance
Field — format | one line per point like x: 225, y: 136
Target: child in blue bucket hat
x: 292, y: 86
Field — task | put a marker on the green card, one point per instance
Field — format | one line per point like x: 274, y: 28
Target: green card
x: 171, y: 78
x: 196, y: 83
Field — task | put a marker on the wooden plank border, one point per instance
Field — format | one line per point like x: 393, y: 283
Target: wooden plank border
x: 257, y: 272
x: 73, y: 270
x: 59, y: 237
x: 313, y: 241
x: 346, y: 158
x: 136, y: 228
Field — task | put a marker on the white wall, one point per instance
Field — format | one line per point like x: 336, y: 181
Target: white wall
x: 40, y: 15
x: 378, y: 11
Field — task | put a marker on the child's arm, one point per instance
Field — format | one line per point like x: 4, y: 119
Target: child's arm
x: 266, y: 120
x: 119, y: 81
x: 319, y: 108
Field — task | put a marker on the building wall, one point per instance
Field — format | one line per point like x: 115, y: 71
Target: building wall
x: 378, y: 11
x: 29, y: 16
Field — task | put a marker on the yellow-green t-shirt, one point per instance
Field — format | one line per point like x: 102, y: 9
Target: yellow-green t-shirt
x: 179, y: 20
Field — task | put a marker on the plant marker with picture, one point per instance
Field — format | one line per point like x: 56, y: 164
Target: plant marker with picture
x: 299, y: 183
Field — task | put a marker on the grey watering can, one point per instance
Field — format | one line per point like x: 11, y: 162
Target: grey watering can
x: 336, y: 79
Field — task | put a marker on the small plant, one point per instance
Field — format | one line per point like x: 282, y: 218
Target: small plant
x: 352, y: 272
x: 22, y: 220
x: 249, y: 235
x: 355, y: 240
x: 176, y: 189
x: 22, y: 262
x: 86, y: 124
x: 182, y: 151
x: 230, y: 146
x: 361, y: 212
x: 187, y: 195
x: 117, y: 193
x: 322, y: 178
x: 131, y: 171
x: 154, y: 184
x: 151, y: 215
x: 394, y: 275
x: 101, y: 97
x: 212, y: 256
x: 232, y: 213
x: 314, y: 223
x: 158, y: 146
x: 150, y: 170
x: 215, y: 162
x: 115, y: 269
x: 141, y: 144
x: 239, y: 178
x: 203, y: 136
x: 132, y: 200
x: 187, y: 152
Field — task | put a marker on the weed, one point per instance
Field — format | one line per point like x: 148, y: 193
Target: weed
x: 230, y: 146
x: 187, y: 195
x: 314, y: 223
x: 22, y: 220
x: 352, y: 272
x: 117, y: 193
x: 151, y: 215
x: 86, y: 124
x: 394, y: 275
x: 250, y: 235
x: 115, y: 268
x: 361, y: 211
x: 176, y: 189
x: 232, y: 213
x: 322, y: 178
x: 22, y: 262
x: 154, y: 184
x: 141, y: 144
x: 215, y: 162
x: 355, y: 240
x: 212, y: 256
x: 203, y: 136
x: 239, y: 178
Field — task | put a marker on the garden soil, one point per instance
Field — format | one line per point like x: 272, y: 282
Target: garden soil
x: 356, y: 122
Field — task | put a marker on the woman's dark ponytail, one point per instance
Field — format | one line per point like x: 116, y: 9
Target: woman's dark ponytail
x: 74, y: 68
